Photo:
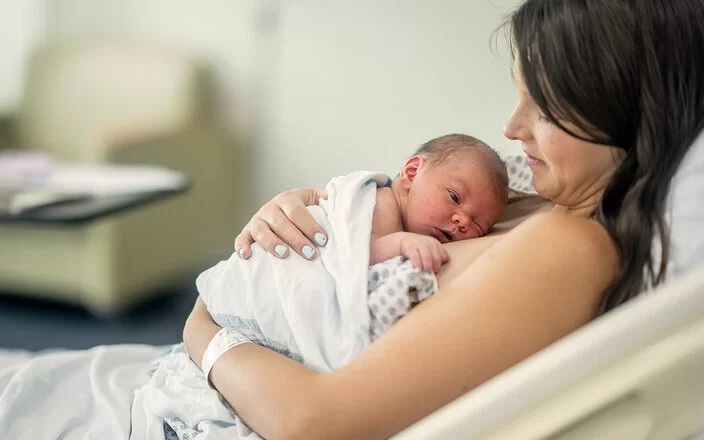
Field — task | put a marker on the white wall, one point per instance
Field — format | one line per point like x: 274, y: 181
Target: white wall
x: 21, y: 25
x: 324, y: 87
x: 361, y: 84
x: 223, y: 32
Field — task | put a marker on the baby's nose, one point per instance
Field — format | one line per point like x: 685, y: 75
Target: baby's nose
x: 461, y: 220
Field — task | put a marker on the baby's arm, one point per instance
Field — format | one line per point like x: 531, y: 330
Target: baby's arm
x: 424, y: 252
x: 384, y: 247
x: 389, y: 240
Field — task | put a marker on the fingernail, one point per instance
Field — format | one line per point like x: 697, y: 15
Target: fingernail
x: 320, y: 239
x: 280, y: 249
x: 307, y: 252
x: 241, y: 253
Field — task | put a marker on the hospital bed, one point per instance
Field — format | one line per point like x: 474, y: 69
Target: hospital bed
x: 635, y: 373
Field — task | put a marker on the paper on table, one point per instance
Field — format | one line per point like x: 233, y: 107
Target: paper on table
x: 68, y: 183
x: 105, y: 180
x: 24, y: 201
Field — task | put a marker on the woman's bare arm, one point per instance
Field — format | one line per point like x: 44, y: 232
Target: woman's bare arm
x: 253, y: 372
x: 536, y: 285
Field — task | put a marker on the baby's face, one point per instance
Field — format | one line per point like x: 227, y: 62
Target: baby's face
x: 453, y: 200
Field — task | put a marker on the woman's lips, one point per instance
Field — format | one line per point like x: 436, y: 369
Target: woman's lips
x: 533, y: 161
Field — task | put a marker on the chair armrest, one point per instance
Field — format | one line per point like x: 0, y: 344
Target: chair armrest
x: 213, y: 160
x: 194, y: 149
x: 7, y: 137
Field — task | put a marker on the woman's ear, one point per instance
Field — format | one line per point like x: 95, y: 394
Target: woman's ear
x: 410, y: 170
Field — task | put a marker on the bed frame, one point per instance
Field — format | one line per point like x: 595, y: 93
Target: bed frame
x: 634, y: 373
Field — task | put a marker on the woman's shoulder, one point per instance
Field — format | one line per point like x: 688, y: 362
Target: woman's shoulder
x: 561, y: 222
x: 566, y: 236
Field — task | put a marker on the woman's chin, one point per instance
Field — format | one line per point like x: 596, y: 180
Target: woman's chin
x: 542, y: 187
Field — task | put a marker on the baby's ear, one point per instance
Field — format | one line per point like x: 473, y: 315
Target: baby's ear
x: 410, y: 170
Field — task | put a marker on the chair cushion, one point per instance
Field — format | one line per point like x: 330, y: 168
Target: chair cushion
x: 80, y: 97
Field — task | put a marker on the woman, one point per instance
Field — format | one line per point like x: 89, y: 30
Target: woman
x: 610, y: 99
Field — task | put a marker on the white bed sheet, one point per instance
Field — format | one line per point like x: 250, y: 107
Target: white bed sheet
x: 72, y: 394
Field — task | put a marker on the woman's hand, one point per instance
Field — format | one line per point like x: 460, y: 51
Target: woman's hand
x: 283, y: 223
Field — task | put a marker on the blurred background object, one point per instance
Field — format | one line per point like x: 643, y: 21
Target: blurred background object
x: 123, y: 103
x: 247, y: 97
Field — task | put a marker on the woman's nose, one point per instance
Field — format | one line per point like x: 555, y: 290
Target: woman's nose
x: 514, y: 128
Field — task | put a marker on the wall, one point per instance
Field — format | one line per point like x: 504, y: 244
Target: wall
x: 319, y: 88
x: 223, y: 33
x: 361, y: 84
x: 21, y: 26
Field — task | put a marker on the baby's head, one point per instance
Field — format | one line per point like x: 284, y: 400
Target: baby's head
x: 455, y: 187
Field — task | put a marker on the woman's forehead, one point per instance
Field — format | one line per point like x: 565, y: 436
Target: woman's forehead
x: 517, y: 76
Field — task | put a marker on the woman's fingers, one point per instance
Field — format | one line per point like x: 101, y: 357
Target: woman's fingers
x: 313, y: 234
x: 285, y: 223
x: 295, y: 225
x: 299, y: 215
x: 243, y: 243
x: 290, y: 235
x: 315, y: 195
x: 267, y: 235
x: 260, y: 231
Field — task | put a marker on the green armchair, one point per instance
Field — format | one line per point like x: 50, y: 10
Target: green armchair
x: 126, y: 103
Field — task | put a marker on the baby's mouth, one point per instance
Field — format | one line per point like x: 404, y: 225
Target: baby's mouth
x: 443, y: 236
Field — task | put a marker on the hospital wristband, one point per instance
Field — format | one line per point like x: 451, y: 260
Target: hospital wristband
x: 223, y: 341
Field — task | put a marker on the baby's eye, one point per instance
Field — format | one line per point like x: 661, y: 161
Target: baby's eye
x: 454, y: 197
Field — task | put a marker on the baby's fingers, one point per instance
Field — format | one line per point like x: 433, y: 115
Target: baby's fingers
x: 437, y: 252
x: 416, y: 259
x: 444, y: 255
x: 427, y: 260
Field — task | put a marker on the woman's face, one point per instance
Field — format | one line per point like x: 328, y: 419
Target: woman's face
x: 569, y: 171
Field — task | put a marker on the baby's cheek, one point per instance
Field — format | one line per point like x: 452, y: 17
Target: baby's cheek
x: 436, y: 214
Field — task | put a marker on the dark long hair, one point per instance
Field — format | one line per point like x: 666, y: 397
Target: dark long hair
x: 628, y: 73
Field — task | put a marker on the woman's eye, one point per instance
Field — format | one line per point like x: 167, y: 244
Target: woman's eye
x: 544, y: 118
x: 454, y: 197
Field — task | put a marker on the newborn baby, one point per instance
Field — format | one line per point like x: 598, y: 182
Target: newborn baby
x: 454, y: 188
x: 323, y: 313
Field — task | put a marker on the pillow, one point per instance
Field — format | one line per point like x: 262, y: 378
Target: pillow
x: 685, y: 212
x: 519, y: 175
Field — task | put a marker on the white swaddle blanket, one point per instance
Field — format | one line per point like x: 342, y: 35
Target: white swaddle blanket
x: 322, y: 313
x: 314, y: 312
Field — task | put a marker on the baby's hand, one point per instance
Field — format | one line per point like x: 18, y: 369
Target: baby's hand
x: 425, y: 252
